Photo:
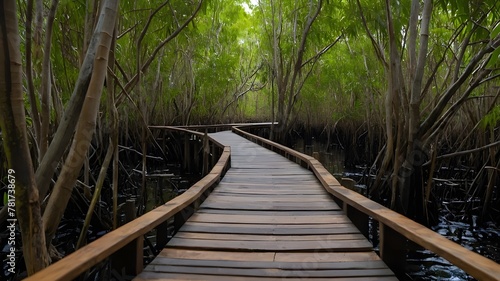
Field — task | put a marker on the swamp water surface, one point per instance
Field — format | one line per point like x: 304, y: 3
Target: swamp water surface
x: 454, y: 222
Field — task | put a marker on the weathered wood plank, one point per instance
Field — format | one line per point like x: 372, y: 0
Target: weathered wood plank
x: 263, y: 219
x: 271, y: 213
x: 264, y: 199
x: 161, y: 276
x: 266, y: 191
x: 360, y: 265
x: 216, y: 255
x: 272, y: 272
x: 254, y: 237
x: 242, y: 245
x: 330, y: 206
x: 269, y: 229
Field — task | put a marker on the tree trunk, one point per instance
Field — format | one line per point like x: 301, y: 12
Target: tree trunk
x: 65, y: 130
x: 46, y: 81
x: 91, y: 7
x: 85, y: 128
x: 35, y: 115
x: 15, y: 141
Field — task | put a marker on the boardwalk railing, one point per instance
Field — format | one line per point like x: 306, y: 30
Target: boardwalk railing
x: 395, y: 229
x: 124, y: 246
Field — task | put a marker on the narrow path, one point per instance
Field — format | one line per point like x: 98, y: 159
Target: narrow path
x: 268, y: 219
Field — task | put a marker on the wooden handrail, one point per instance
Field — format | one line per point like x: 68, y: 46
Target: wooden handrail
x: 474, y: 264
x: 217, y: 127
x: 131, y: 234
x: 185, y: 130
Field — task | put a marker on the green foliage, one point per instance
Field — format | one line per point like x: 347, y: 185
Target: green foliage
x: 204, y: 68
x: 491, y: 119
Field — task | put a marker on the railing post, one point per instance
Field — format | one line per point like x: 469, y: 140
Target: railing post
x: 213, y: 158
x: 182, y: 216
x: 206, y: 154
x: 129, y: 259
x: 358, y: 218
x: 185, y: 162
x: 162, y: 235
x: 392, y: 247
x: 130, y: 210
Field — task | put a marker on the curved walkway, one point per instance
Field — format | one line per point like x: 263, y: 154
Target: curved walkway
x: 268, y: 219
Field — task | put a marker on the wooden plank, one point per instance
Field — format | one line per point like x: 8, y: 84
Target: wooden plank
x: 270, y: 189
x: 271, y: 272
x: 360, y: 265
x: 271, y: 195
x: 253, y: 237
x: 269, y: 229
x: 293, y: 170
x: 257, y: 176
x: 315, y: 186
x: 218, y: 218
x: 248, y: 191
x: 291, y: 199
x: 311, y: 226
x: 161, y: 276
x: 242, y: 245
x: 272, y: 180
x: 326, y: 257
x: 330, y: 206
x: 178, y: 253
x: 269, y: 256
x: 270, y: 213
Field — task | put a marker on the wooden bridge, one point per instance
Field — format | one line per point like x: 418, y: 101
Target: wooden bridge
x: 264, y: 214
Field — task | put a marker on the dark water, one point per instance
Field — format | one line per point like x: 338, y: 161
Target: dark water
x: 453, y: 222
x: 164, y: 182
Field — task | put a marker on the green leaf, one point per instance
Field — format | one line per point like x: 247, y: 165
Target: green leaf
x: 491, y: 119
x: 493, y: 59
x: 495, y: 31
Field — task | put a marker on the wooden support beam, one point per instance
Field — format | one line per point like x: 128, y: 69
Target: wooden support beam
x: 358, y: 218
x: 162, y: 235
x: 129, y: 259
x: 393, y: 248
x: 206, y: 154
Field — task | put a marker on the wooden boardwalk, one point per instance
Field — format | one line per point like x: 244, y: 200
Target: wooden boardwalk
x: 267, y: 219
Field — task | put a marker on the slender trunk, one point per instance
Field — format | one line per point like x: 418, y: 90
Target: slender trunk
x: 115, y: 133
x: 22, y: 186
x: 46, y: 81
x: 65, y: 130
x: 492, y: 175
x: 95, y: 198
x: 297, y: 68
x: 389, y: 101
x: 85, y: 128
x: 411, y: 181
x: 91, y: 7
x: 35, y: 115
x: 56, y: 101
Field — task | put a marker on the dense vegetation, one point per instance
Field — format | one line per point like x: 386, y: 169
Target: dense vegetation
x: 416, y: 80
